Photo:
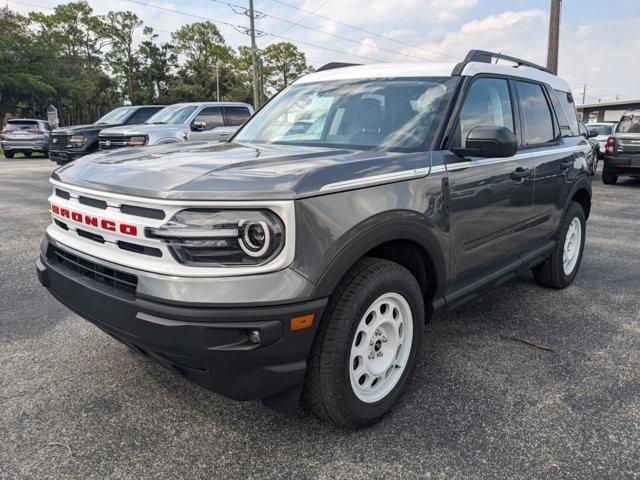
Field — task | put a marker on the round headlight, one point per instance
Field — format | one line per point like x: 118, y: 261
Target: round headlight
x: 255, y: 238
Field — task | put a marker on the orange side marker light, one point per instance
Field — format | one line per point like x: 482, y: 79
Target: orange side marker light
x: 303, y: 321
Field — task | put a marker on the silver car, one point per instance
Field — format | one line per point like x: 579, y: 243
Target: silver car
x: 604, y: 131
x: 26, y: 136
x: 182, y: 122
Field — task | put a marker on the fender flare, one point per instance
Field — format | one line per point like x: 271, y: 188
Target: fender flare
x: 407, y: 230
x: 583, y: 183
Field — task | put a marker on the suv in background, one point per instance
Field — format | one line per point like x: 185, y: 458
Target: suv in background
x: 26, y: 136
x: 302, y: 259
x: 622, y: 150
x: 182, y: 122
x: 69, y: 143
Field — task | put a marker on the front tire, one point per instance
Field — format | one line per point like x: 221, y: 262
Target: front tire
x: 561, y: 268
x: 26, y: 154
x: 366, y: 347
x: 609, y: 178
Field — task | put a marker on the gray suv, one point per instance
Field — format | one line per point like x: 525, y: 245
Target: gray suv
x: 301, y: 260
x: 182, y: 122
x: 26, y: 136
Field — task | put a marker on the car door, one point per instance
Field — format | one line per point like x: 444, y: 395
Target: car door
x: 552, y: 137
x: 212, y: 121
x: 490, y: 198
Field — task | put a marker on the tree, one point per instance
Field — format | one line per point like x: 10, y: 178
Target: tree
x: 70, y: 43
x: 123, y: 57
x: 157, y: 62
x: 284, y: 63
x: 203, y: 47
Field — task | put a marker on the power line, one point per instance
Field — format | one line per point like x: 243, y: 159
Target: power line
x: 28, y: 5
x: 300, y: 21
x: 368, y: 32
x: 318, y: 30
x: 242, y: 28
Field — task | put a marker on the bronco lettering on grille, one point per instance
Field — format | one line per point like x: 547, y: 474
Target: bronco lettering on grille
x: 103, y: 223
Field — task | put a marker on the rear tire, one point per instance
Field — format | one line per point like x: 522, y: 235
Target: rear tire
x: 561, y: 268
x: 609, y: 178
x: 366, y: 347
x: 26, y: 154
x: 8, y: 154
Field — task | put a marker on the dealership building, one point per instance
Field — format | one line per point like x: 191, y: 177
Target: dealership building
x: 606, y: 111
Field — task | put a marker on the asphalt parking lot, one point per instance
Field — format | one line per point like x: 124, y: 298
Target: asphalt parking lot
x: 74, y: 403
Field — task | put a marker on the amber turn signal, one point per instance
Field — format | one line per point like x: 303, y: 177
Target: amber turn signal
x: 303, y: 321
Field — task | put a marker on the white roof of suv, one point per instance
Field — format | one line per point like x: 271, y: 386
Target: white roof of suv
x: 470, y: 68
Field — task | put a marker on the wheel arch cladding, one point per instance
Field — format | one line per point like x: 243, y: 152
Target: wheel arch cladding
x: 581, y: 193
x: 396, y: 240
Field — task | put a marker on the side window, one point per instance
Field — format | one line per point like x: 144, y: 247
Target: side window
x: 237, y: 115
x: 566, y: 113
x: 487, y: 104
x: 212, y: 116
x: 538, y: 122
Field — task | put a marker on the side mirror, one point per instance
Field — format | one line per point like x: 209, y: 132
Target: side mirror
x: 198, y: 126
x: 592, y: 133
x: 489, y: 142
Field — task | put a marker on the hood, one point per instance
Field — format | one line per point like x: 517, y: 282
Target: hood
x: 227, y: 171
x: 77, y: 129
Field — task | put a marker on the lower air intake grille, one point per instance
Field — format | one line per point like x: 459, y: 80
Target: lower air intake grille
x: 114, y: 279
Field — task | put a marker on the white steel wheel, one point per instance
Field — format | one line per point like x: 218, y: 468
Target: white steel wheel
x: 381, y: 347
x: 572, y: 245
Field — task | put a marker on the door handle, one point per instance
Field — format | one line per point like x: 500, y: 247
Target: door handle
x: 566, y: 165
x: 520, y: 173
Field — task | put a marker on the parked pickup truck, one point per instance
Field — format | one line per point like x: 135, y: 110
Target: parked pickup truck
x: 69, y: 143
x: 300, y: 260
x: 182, y: 122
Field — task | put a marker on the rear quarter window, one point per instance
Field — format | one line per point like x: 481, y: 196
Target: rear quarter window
x: 566, y: 112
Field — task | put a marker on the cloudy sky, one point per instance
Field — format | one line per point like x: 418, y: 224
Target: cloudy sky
x: 598, y: 46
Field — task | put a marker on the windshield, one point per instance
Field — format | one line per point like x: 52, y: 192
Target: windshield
x: 174, y: 115
x: 393, y: 114
x: 601, y: 129
x: 629, y: 124
x: 116, y: 117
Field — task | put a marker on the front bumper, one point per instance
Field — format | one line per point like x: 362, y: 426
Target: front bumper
x: 208, y: 345
x: 62, y: 156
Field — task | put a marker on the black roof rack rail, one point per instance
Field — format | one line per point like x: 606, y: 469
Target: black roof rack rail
x: 333, y: 65
x: 487, y: 57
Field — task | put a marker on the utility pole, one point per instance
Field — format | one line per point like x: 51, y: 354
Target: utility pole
x: 217, y: 82
x: 554, y: 36
x: 254, y: 57
x: 584, y: 92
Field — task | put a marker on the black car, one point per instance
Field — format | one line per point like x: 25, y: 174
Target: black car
x: 69, y: 143
x: 295, y: 263
x: 622, y: 150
